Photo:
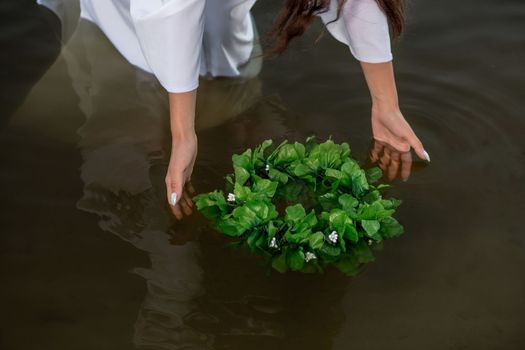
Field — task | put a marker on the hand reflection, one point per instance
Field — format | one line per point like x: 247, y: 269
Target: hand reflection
x: 393, y: 162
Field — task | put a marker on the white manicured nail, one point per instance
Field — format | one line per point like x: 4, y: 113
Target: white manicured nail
x: 426, y: 156
x: 173, y: 198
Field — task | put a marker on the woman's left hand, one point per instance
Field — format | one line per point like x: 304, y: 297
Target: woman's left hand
x: 389, y: 126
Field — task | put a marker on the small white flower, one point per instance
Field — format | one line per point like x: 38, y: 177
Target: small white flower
x: 267, y: 167
x: 231, y: 197
x: 332, y: 237
x: 273, y: 243
x: 309, y: 256
x: 370, y: 242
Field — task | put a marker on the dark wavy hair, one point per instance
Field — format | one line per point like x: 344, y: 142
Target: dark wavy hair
x: 297, y: 15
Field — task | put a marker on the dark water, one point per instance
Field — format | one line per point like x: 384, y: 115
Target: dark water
x: 91, y: 259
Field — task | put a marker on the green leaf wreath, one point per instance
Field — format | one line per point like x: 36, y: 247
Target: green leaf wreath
x: 305, y: 206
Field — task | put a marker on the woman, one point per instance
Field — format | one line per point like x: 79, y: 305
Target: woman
x: 180, y: 40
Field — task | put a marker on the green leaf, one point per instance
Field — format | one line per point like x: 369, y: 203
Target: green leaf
x: 374, y: 211
x: 324, y: 217
x: 288, y: 153
x: 241, y: 175
x: 329, y: 154
x: 391, y: 203
x: 359, y: 183
x: 231, y: 228
x: 247, y: 153
x: 299, y: 149
x: 301, y: 170
x: 277, y: 175
x: 242, y: 161
x: 328, y: 201
x: 297, y: 238
x: 246, y: 217
x: 295, y: 213
x: 260, y: 208
x: 372, y: 197
x: 276, y: 150
x: 345, y: 150
x: 212, y: 205
x: 350, y: 167
x: 348, y: 202
x: 334, y: 173
x: 348, y: 264
x: 382, y: 187
x: 229, y: 180
x: 272, y: 229
x: 332, y: 155
x: 312, y: 164
x: 242, y: 193
x: 311, y: 219
x: 330, y: 250
x: 371, y: 227
x: 252, y: 239
x: 316, y: 240
x: 310, y: 143
x: 295, y: 259
x: 215, y: 198
x: 279, y: 263
x: 350, y: 233
x: 390, y: 227
x: 260, y: 242
x: 363, y: 253
x: 374, y: 174
x: 258, y: 156
x: 265, y: 187
x: 273, y: 214
x: 338, y: 219
x: 337, y: 175
x: 292, y: 190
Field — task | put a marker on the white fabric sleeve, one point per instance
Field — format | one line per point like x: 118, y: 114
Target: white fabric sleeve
x: 363, y: 26
x: 170, y: 36
x: 229, y: 34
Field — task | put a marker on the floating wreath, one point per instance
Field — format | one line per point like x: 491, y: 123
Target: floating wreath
x: 305, y: 206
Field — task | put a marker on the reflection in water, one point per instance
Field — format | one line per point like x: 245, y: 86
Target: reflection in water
x: 31, y: 36
x: 124, y: 145
x: 392, y: 162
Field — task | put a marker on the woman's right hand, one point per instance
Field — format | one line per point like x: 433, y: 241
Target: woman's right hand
x: 178, y: 186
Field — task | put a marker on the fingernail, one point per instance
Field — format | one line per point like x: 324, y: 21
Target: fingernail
x: 173, y: 198
x: 426, y: 155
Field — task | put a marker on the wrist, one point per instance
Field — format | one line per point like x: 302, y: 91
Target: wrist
x: 183, y: 136
x: 182, y: 129
x: 385, y: 106
x: 182, y: 116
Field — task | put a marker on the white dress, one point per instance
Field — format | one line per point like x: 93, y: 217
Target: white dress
x: 178, y: 40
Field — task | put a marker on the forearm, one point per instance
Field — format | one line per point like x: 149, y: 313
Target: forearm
x: 182, y: 114
x: 382, y: 85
